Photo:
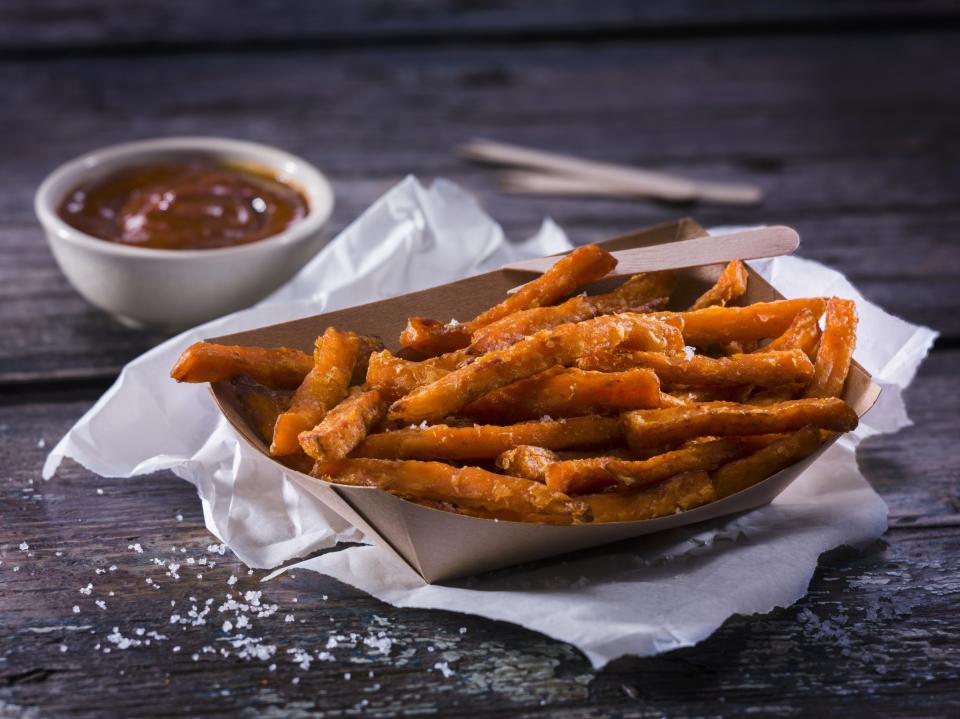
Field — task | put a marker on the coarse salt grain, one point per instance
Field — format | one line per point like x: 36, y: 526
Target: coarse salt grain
x: 24, y: 546
x: 100, y: 603
x: 444, y: 669
x: 86, y: 590
x: 232, y: 580
x: 63, y: 648
x: 42, y: 443
x: 136, y: 548
x: 76, y: 609
x: 99, y: 491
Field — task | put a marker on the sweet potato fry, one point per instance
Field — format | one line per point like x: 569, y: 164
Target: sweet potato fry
x: 706, y: 393
x: 261, y: 406
x: 449, y: 360
x: 731, y: 285
x: 394, y: 377
x: 683, y: 491
x: 561, y: 345
x: 766, y: 369
x: 742, y: 473
x: 774, y: 395
x: 641, y: 293
x: 527, y: 461
x: 324, y: 386
x: 661, y: 427
x: 567, y: 393
x: 571, y: 272
x: 441, y: 441
x: 803, y: 334
x: 345, y: 426
x: 466, y: 486
x: 717, y: 325
x: 836, y: 349
x: 582, y: 476
x: 276, y: 368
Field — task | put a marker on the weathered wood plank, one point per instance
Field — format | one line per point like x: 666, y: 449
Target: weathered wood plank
x: 853, y: 145
x: 875, y: 634
x: 52, y: 24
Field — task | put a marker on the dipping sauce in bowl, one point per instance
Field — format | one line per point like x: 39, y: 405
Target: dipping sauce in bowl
x: 194, y: 204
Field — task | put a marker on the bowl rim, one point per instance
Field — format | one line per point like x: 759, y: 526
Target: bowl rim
x: 310, y: 180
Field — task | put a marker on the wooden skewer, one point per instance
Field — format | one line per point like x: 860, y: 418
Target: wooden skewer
x: 743, y: 245
x: 616, y: 179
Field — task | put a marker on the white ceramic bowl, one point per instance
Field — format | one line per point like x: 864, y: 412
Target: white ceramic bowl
x: 179, y: 288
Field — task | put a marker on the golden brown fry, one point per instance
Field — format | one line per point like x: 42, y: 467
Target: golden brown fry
x: 465, y: 486
x: 527, y: 461
x: 276, y: 368
x: 683, y: 491
x: 261, y: 406
x: 731, y: 285
x: 324, y: 386
x: 660, y: 427
x: 641, y: 293
x: 836, y: 349
x: 560, y: 392
x: 765, y: 369
x: 561, y: 345
x: 449, y: 360
x: 803, y: 334
x: 571, y: 272
x: 582, y: 476
x: 394, y: 377
x: 717, y: 325
x: 742, y: 473
x: 345, y: 426
x: 441, y: 441
x: 707, y: 393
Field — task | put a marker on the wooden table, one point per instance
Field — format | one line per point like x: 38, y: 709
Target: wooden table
x: 848, y: 121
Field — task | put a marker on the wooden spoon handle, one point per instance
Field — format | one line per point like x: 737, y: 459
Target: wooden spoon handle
x: 709, y: 250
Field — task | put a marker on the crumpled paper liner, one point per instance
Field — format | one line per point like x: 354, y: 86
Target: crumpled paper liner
x: 639, y: 597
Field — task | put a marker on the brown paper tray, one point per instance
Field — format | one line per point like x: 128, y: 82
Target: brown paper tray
x: 440, y: 545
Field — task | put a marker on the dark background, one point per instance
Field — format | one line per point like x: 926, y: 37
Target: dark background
x: 846, y: 113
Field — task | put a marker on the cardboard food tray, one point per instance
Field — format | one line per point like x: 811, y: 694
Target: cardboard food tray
x: 440, y: 545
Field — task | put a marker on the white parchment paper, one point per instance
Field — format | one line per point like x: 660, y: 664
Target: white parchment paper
x: 642, y: 597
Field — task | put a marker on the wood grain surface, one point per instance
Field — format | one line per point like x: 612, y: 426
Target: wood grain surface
x: 846, y: 120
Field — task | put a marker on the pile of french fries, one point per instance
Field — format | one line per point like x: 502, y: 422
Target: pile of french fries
x: 557, y: 407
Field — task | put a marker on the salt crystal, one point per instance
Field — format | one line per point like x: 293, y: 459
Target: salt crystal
x: 86, y: 590
x: 232, y: 580
x: 288, y: 618
x: 136, y: 548
x: 242, y: 622
x: 99, y: 491
x: 63, y: 648
x: 228, y: 626
x: 689, y: 352
x: 112, y: 568
x: 195, y: 657
x: 453, y: 323
x: 42, y: 443
x: 346, y: 676
x: 445, y: 669
x: 100, y: 571
x: 76, y: 609
x: 176, y: 650
x: 148, y: 580
x: 179, y: 518
x: 100, y: 603
x: 295, y: 680
x: 463, y: 630
x: 24, y: 546
x: 272, y: 668
x: 58, y: 554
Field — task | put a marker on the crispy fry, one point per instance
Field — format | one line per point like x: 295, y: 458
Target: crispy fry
x: 660, y: 427
x: 466, y: 486
x: 774, y: 395
x: 716, y: 325
x: 571, y: 272
x: 561, y: 345
x: 742, y: 473
x: 765, y: 369
x: 582, y: 476
x: 641, y: 293
x: 261, y: 406
x: 731, y: 285
x: 683, y: 491
x: 836, y: 349
x: 394, y: 377
x: 441, y: 441
x: 803, y: 333
x: 345, y: 426
x: 527, y: 461
x: 279, y: 368
x: 449, y: 360
x: 706, y: 393
x: 567, y: 393
x: 324, y: 386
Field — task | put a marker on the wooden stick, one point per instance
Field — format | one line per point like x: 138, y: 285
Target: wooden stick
x: 620, y: 179
x: 744, y: 245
